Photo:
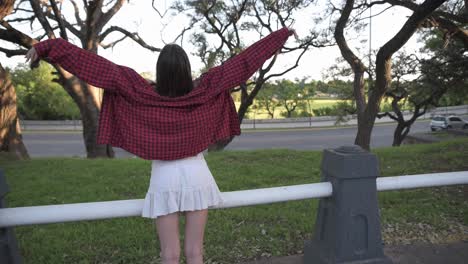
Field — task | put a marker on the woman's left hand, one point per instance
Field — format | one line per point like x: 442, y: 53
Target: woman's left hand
x: 32, y: 57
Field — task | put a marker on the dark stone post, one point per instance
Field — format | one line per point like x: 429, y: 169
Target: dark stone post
x: 347, y: 229
x: 9, y: 252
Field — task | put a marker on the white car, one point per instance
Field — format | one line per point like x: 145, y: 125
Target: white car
x: 448, y: 122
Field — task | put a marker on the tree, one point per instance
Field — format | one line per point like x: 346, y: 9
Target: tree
x: 289, y: 96
x: 11, y: 140
x: 230, y: 22
x: 10, y: 132
x: 368, y: 106
x: 445, y: 70
x: 91, y: 32
x: 401, y: 91
x: 307, y: 93
x: 266, y: 99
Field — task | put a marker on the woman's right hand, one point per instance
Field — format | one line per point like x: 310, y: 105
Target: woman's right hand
x: 32, y: 58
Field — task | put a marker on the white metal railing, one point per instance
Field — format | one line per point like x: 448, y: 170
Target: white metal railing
x: 125, y: 208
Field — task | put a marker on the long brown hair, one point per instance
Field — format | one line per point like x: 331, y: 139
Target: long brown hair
x: 173, y: 72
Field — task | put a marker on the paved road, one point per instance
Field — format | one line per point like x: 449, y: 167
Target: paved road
x: 69, y: 144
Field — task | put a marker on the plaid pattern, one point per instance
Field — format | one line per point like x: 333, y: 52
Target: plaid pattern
x: 134, y: 117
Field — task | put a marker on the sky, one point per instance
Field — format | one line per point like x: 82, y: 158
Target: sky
x: 139, y: 16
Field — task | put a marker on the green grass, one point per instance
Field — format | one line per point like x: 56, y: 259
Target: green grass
x: 232, y: 235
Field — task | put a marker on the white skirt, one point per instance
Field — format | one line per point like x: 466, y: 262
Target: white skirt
x: 180, y: 185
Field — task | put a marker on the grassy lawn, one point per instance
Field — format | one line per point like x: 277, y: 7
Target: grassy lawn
x: 233, y: 235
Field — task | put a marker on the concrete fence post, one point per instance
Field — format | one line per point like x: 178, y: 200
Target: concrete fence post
x: 9, y: 252
x: 347, y: 229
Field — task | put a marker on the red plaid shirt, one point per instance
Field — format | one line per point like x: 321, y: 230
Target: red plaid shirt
x: 134, y: 117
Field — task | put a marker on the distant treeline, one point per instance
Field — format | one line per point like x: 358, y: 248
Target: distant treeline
x: 41, y: 98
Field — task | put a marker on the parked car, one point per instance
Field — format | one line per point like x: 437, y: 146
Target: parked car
x: 448, y: 122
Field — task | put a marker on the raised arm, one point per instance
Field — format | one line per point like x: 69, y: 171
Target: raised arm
x: 239, y: 68
x: 86, y: 65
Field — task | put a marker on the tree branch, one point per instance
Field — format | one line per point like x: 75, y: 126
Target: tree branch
x: 36, y: 6
x: 452, y: 29
x: 77, y: 13
x: 157, y: 11
x: 58, y: 16
x: 15, y: 36
x: 386, y: 51
x: 346, y: 52
x: 104, y: 19
x: 413, y: 6
x: 21, y: 19
x: 287, y: 70
x: 68, y: 26
x: 380, y: 115
x: 10, y: 53
x: 181, y: 35
x: 217, y: 30
x: 112, y: 44
x: 259, y: 18
x: 134, y: 36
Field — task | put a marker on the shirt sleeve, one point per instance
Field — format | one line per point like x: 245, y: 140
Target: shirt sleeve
x: 239, y: 68
x: 85, y: 65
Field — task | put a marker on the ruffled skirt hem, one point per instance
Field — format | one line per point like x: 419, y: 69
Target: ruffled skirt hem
x: 159, y: 203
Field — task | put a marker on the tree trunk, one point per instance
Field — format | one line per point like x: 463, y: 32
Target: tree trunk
x: 365, y: 126
x: 88, y: 99
x: 243, y: 110
x: 90, y: 121
x: 11, y: 140
x: 365, y: 123
x: 6, y: 7
x: 366, y: 118
x: 400, y: 133
x: 246, y: 102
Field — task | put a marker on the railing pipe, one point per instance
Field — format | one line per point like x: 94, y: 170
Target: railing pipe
x: 422, y: 180
x: 47, y: 214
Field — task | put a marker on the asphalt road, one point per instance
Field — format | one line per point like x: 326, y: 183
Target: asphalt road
x: 69, y: 144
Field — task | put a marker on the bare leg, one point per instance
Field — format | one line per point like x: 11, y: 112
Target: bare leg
x: 195, y: 222
x: 168, y: 232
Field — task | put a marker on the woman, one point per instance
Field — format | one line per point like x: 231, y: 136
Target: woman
x: 170, y: 123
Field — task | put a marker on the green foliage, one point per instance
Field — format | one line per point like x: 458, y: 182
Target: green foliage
x: 297, y: 98
x: 289, y: 95
x: 340, y: 109
x: 323, y: 111
x: 444, y: 71
x: 233, y: 235
x: 38, y: 97
x: 340, y: 88
x: 267, y: 100
x: 446, y: 74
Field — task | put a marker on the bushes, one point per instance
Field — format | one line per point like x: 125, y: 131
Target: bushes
x: 39, y: 98
x: 339, y: 109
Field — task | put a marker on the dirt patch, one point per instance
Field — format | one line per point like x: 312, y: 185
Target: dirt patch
x: 432, y: 137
